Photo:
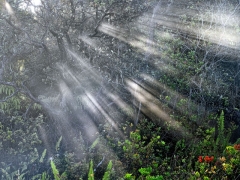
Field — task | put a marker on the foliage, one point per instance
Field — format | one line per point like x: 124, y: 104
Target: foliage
x: 200, y: 158
x: 55, y: 171
x: 44, y: 176
x: 12, y: 101
x: 23, y: 137
x: 57, y: 176
x: 139, y: 152
x: 70, y: 166
x: 145, y: 174
x: 23, y: 170
x: 58, y: 144
x: 107, y: 173
x: 145, y: 148
x: 19, y: 140
x: 223, y: 136
x: 91, y: 172
x: 226, y: 165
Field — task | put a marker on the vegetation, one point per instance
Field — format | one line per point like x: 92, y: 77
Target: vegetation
x: 119, y: 89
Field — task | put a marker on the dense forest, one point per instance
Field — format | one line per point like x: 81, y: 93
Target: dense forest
x: 119, y: 89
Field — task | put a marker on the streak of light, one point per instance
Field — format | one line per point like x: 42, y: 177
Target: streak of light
x: 108, y: 118
x: 9, y: 8
x: 153, y: 108
x: 160, y: 89
x: 124, y: 106
x: 91, y: 71
x: 135, y: 41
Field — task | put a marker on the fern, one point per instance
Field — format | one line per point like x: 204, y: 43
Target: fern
x: 43, y: 156
x: 6, y: 174
x: 221, y: 125
x: 91, y: 172
x: 55, y: 171
x: 222, y: 137
x: 94, y: 144
x: 107, y: 173
x: 44, y: 176
x: 58, y: 144
x: 35, y: 156
x: 6, y: 90
x: 10, y: 100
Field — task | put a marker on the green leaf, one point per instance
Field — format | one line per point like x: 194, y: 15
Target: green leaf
x: 145, y: 171
x: 43, y: 156
x: 91, y: 172
x: 55, y: 171
x: 129, y: 176
x: 108, y: 171
x: 58, y: 144
x: 94, y: 144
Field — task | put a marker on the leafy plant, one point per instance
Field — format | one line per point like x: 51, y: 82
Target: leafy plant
x: 140, y: 151
x: 223, y: 136
x: 107, y: 173
x: 57, y: 147
x: 226, y: 165
x: 145, y: 174
x: 55, y: 171
x: 91, y: 172
x: 145, y: 171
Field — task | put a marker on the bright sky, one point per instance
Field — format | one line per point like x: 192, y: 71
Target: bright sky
x: 36, y: 2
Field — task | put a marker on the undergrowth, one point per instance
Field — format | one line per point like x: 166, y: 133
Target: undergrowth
x: 149, y: 153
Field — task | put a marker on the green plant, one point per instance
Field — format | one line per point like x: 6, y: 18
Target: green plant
x: 23, y: 170
x: 91, y: 172
x: 56, y: 173
x: 12, y: 175
x: 54, y: 170
x: 10, y: 102
x: 221, y: 140
x: 226, y: 159
x: 57, y: 147
x: 129, y: 176
x: 145, y: 175
x: 141, y: 150
x: 107, y: 173
x: 44, y: 176
x: 180, y: 162
x: 145, y: 171
x: 226, y: 165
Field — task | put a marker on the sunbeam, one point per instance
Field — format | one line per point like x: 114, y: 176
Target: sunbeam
x: 110, y: 120
x: 152, y: 107
x: 9, y: 8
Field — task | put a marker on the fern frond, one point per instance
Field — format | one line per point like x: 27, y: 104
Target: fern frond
x: 58, y: 144
x: 91, y: 172
x: 55, y: 171
x: 43, y: 155
x: 107, y: 173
